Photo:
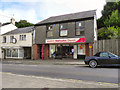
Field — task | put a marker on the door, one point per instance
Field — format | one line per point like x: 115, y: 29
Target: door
x: 113, y: 59
x: 104, y: 59
x: 40, y: 51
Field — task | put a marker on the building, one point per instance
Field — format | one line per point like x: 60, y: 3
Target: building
x: 6, y: 27
x: 17, y: 43
x: 66, y: 36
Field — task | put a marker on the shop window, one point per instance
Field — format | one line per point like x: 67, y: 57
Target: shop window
x: 80, y: 28
x: 8, y: 52
x: 4, y: 39
x: 11, y: 39
x: 63, y: 29
x: 22, y: 37
x: 14, y: 52
x: 50, y: 31
x: 81, y: 49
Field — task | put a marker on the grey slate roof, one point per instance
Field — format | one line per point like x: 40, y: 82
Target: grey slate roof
x: 20, y: 30
x: 67, y: 17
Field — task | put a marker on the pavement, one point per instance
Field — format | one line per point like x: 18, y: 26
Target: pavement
x: 24, y: 81
x: 44, y: 62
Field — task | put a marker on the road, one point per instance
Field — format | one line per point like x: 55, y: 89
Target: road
x: 103, y: 74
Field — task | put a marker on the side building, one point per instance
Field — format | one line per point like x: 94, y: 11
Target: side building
x: 17, y: 44
x: 66, y: 36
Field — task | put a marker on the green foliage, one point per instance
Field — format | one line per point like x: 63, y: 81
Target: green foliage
x: 109, y: 8
x: 100, y: 22
x: 109, y: 33
x: 23, y: 23
x: 102, y: 33
x: 113, y: 20
x: 115, y: 32
x: 109, y: 23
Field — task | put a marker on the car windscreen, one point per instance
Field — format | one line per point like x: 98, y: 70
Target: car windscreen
x: 112, y: 55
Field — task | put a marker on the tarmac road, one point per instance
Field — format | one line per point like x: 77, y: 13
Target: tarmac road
x: 77, y: 72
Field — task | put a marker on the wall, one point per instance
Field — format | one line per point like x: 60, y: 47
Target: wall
x: 89, y: 31
x: 7, y: 28
x: 22, y: 43
x: 40, y: 34
x: 36, y: 52
x: 111, y: 45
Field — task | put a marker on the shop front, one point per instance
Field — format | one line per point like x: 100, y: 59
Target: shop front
x: 73, y: 48
x: 16, y: 52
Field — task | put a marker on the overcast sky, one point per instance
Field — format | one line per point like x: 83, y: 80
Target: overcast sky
x: 37, y: 10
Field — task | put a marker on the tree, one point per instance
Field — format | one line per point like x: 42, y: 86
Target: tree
x: 23, y: 23
x: 114, y: 32
x: 113, y: 20
x: 109, y: 33
x: 107, y: 11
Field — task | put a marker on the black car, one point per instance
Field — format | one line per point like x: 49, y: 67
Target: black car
x: 102, y: 58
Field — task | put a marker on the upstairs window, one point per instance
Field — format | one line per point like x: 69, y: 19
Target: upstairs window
x: 50, y: 31
x: 4, y: 39
x: 22, y: 37
x: 11, y: 39
x: 80, y: 28
x: 63, y: 29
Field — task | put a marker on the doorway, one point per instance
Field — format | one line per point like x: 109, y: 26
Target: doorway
x: 65, y: 51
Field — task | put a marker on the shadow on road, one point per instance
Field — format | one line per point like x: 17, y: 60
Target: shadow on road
x: 107, y: 67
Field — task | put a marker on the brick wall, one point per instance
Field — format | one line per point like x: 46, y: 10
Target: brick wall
x: 88, y: 49
x: 36, y: 52
x: 46, y: 52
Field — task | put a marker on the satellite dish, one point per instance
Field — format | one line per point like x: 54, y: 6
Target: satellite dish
x: 14, y: 40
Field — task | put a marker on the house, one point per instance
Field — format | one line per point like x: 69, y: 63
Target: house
x: 6, y: 27
x: 68, y: 36
x: 17, y: 43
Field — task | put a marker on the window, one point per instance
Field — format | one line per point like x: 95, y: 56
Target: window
x: 11, y: 39
x: 97, y: 54
x: 50, y: 31
x: 50, y: 27
x: 112, y: 55
x: 81, y: 49
x: 4, y: 39
x: 8, y: 52
x: 103, y: 54
x: 80, y: 26
x: 63, y: 29
x: 14, y: 52
x: 22, y: 37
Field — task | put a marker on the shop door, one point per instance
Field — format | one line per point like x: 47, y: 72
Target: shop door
x: 40, y: 51
x: 67, y: 51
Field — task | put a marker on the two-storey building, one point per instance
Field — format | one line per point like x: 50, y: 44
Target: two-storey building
x: 66, y: 36
x: 17, y: 43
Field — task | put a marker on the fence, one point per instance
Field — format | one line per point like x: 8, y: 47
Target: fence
x: 112, y: 45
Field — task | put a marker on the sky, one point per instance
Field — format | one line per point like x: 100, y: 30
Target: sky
x: 36, y: 10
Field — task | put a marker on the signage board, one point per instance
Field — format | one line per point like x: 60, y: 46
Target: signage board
x: 90, y: 46
x: 69, y: 40
x: 63, y: 33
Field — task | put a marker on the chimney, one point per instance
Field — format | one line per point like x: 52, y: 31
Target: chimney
x: 13, y: 21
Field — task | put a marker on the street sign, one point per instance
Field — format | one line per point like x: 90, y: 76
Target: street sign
x: 90, y: 46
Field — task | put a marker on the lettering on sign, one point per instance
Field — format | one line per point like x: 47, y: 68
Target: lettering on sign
x: 70, y: 40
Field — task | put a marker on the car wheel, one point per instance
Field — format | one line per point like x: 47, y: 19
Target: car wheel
x: 93, y: 63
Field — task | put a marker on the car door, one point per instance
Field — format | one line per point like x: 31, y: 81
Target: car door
x: 113, y: 59
x: 104, y: 59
